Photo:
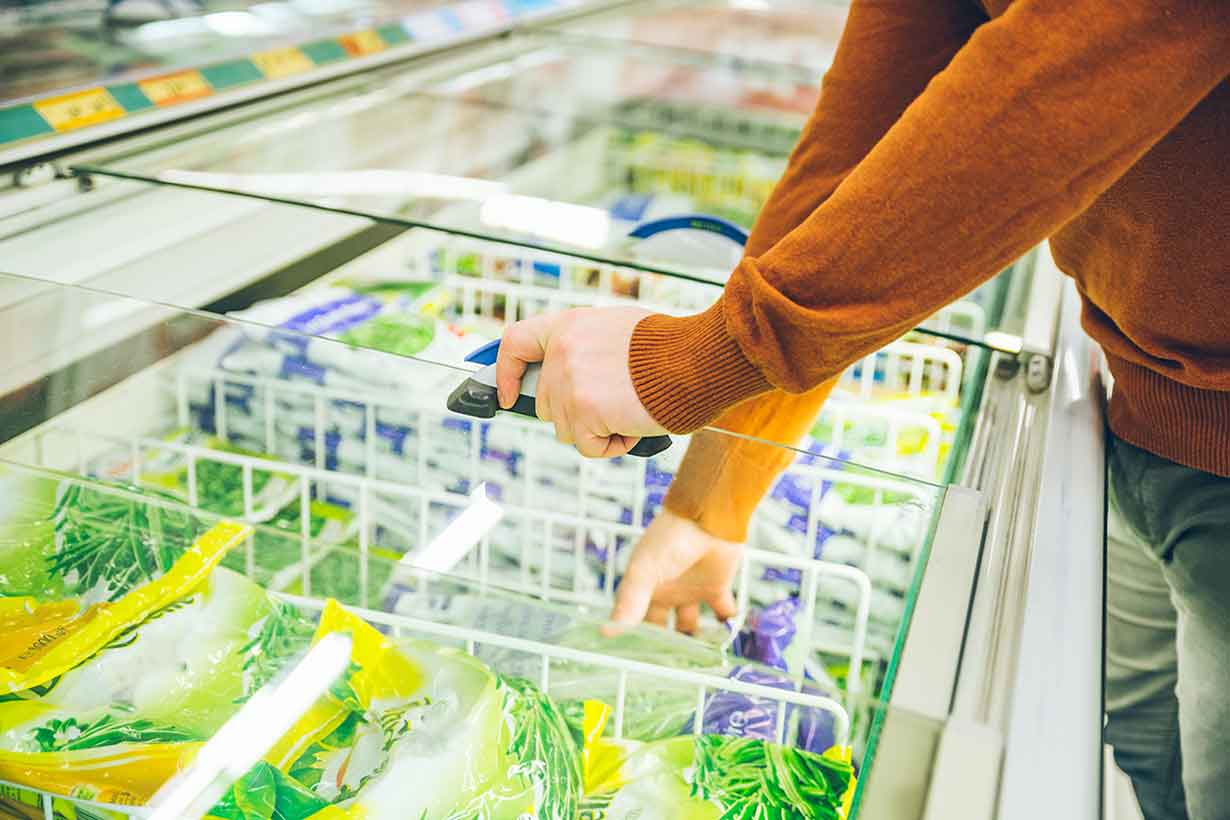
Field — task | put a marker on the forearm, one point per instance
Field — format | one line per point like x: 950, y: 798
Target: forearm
x: 723, y: 477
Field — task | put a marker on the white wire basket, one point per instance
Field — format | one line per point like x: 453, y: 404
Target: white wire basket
x: 490, y: 284
x: 631, y: 676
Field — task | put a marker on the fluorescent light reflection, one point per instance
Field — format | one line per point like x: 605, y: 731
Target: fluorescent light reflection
x: 237, y: 24
x: 454, y: 543
x: 1006, y: 342
x: 344, y: 183
x: 251, y: 733
x: 577, y: 225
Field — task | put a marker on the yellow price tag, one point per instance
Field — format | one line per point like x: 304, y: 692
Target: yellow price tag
x: 282, y: 62
x: 362, y: 42
x: 77, y: 110
x: 175, y: 88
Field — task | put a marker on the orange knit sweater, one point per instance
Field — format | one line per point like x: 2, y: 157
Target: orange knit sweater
x: 950, y: 137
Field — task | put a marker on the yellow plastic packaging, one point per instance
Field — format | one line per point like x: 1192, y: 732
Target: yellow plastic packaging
x: 378, y: 673
x: 45, y: 639
x: 126, y: 775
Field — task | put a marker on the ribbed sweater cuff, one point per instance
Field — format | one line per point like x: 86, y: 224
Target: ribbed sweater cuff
x: 688, y: 369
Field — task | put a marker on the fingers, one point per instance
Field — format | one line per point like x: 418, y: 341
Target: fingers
x: 723, y: 605
x: 522, y: 343
x: 658, y: 614
x: 633, y: 596
x: 589, y: 434
x: 687, y: 619
x: 562, y: 418
x: 594, y: 446
x: 584, y: 387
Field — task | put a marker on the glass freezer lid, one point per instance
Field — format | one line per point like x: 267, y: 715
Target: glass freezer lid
x: 356, y: 480
x: 612, y: 169
x: 907, y: 408
x: 800, y: 35
x: 557, y: 147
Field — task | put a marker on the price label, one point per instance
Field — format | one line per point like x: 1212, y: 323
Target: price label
x: 362, y: 42
x: 77, y: 110
x: 175, y: 88
x: 282, y: 62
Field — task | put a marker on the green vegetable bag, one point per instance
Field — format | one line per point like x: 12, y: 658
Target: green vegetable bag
x: 709, y: 777
x: 423, y: 731
x: 80, y: 564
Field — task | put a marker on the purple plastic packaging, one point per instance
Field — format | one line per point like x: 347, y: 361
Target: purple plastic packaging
x: 738, y: 715
x: 655, y: 477
x: 798, y: 492
x: 767, y: 633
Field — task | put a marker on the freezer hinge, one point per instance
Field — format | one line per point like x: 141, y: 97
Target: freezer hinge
x: 1037, y: 372
x: 36, y: 175
x: 1037, y: 367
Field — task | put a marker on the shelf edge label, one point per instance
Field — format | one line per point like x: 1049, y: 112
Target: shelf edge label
x: 362, y: 43
x: 179, y: 87
x: 79, y: 109
x: 282, y: 62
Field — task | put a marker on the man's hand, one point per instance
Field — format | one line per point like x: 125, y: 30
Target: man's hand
x: 585, y: 388
x: 677, y: 566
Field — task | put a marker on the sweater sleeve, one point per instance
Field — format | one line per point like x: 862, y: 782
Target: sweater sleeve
x: 1037, y: 114
x: 887, y: 54
x: 723, y: 477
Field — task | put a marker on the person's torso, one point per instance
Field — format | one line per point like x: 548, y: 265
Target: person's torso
x: 1151, y: 255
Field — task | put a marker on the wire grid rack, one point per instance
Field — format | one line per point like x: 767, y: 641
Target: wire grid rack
x: 771, y: 133
x: 501, y: 282
x: 542, y: 550
x: 629, y: 674
x: 489, y: 284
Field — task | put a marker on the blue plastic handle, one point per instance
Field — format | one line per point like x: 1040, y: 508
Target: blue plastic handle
x: 692, y: 222
x: 485, y: 354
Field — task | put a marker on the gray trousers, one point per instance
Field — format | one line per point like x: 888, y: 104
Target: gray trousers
x: 1168, y: 634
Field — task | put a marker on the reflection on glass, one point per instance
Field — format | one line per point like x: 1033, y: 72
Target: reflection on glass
x: 624, y: 141
x: 787, y: 34
x: 456, y: 541
x: 344, y: 467
x: 621, y: 145
x: 241, y: 742
x: 54, y: 47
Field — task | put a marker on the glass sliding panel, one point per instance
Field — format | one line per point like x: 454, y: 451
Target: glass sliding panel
x: 354, y: 503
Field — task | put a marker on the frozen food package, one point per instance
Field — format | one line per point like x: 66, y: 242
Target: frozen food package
x: 184, y: 664
x: 293, y: 326
x: 82, y: 563
x: 219, y: 484
x: 709, y: 777
x: 411, y: 725
x: 419, y: 730
x: 117, y: 726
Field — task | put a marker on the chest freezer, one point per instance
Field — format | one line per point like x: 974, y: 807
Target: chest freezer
x: 257, y: 203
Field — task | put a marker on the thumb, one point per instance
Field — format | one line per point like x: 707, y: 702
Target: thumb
x: 522, y: 343
x: 633, y: 597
